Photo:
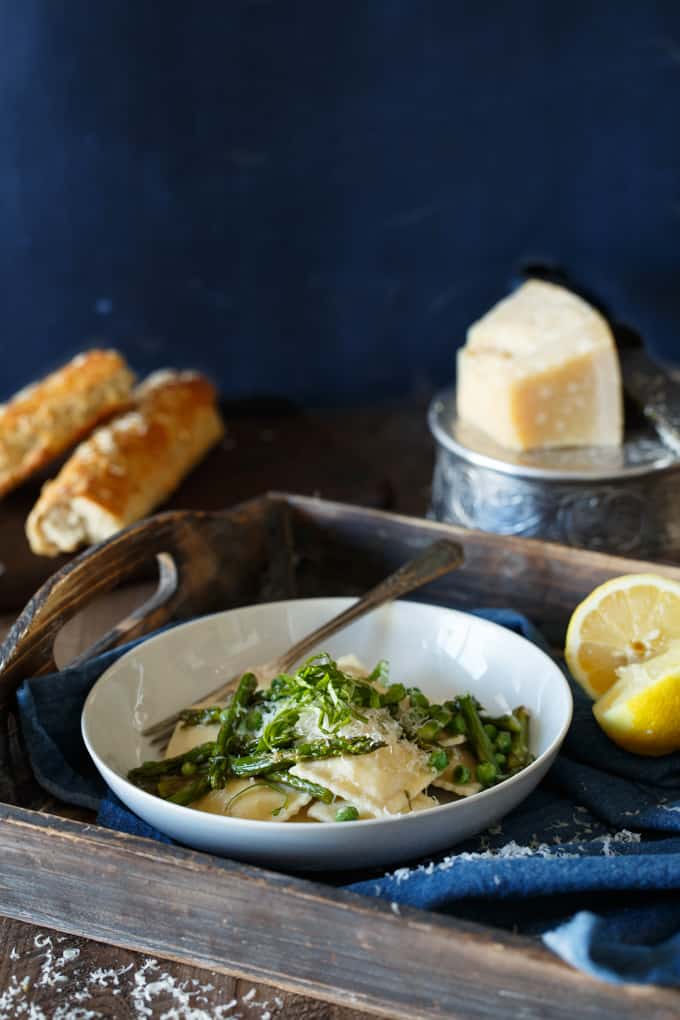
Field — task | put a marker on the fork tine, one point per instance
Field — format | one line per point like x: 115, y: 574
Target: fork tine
x: 161, y: 739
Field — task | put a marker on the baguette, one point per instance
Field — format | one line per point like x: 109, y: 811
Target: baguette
x: 46, y: 418
x: 129, y: 466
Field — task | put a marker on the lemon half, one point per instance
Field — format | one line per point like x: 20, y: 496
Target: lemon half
x: 624, y: 621
x: 641, y: 711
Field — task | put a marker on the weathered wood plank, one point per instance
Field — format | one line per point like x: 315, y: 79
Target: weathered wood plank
x: 45, y: 974
x: 342, y: 549
x: 295, y: 935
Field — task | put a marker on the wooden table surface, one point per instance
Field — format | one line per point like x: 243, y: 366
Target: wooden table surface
x: 378, y: 457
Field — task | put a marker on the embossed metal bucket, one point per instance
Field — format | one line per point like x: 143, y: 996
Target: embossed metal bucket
x: 621, y: 500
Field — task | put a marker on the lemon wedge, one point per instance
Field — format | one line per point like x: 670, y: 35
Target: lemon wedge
x: 641, y: 711
x: 624, y: 621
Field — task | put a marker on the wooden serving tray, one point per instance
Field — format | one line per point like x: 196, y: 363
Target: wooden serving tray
x: 67, y: 873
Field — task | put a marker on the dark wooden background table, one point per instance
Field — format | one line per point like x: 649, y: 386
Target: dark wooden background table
x: 379, y: 457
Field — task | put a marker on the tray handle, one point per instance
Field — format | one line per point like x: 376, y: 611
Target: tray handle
x: 186, y: 545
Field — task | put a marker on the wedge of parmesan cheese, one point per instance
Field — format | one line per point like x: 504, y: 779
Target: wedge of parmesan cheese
x: 541, y: 370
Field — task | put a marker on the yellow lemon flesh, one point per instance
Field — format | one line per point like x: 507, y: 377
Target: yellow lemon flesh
x: 641, y: 711
x: 627, y: 620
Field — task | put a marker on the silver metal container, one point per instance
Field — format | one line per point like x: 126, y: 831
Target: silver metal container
x: 621, y: 500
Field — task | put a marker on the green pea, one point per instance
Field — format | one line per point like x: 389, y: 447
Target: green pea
x: 501, y: 760
x: 438, y: 760
x: 486, y: 773
x: 441, y: 714
x: 188, y: 769
x: 491, y: 731
x: 428, y: 731
x: 346, y: 814
x: 393, y: 695
x: 462, y: 775
x: 504, y: 741
x: 417, y: 698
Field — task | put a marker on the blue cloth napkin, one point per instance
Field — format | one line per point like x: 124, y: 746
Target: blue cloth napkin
x: 590, y: 861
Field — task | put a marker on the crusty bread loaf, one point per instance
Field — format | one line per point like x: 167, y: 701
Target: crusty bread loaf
x: 46, y: 418
x: 129, y: 466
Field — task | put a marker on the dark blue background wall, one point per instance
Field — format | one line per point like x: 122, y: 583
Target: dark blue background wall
x: 315, y: 198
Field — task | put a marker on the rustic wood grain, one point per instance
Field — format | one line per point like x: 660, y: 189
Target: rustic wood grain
x: 292, y: 934
x: 341, y: 549
x: 42, y: 971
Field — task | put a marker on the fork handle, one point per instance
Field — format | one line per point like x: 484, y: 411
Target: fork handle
x: 439, y: 558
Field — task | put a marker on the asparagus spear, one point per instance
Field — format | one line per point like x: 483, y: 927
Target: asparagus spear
x: 218, y: 772
x: 168, y: 766
x: 520, y: 755
x: 219, y: 766
x: 479, y: 739
x: 202, y: 716
x: 304, y: 785
x: 194, y: 789
x: 242, y: 696
x: 274, y: 761
x: 477, y: 735
x: 503, y: 722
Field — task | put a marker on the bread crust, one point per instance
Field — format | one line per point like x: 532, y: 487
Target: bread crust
x: 129, y: 466
x: 43, y: 420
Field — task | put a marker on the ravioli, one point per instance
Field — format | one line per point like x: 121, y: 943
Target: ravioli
x: 375, y: 752
x: 321, y: 812
x: 385, y: 781
x: 260, y: 802
x: 458, y: 756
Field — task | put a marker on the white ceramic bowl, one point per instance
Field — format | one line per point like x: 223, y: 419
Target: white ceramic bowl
x: 440, y: 650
